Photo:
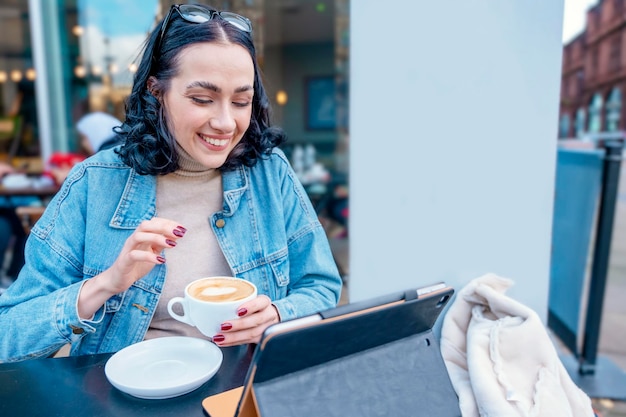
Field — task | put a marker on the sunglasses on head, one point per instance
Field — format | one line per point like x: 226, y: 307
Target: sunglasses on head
x: 200, y: 14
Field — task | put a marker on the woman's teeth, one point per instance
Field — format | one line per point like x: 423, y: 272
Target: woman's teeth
x: 213, y: 141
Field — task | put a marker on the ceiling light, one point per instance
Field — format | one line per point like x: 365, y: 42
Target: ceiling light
x: 16, y: 76
x: 281, y: 97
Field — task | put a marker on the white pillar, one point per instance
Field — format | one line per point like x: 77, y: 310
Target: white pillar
x: 453, y: 127
x: 50, y: 93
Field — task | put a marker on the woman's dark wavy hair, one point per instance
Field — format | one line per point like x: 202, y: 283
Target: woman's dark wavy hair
x: 148, y: 144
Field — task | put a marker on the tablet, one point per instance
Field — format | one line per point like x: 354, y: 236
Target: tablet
x: 377, y: 357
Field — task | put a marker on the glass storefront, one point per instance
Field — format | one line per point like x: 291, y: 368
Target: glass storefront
x: 62, y: 59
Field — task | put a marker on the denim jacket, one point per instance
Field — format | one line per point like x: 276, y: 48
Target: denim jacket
x: 267, y: 230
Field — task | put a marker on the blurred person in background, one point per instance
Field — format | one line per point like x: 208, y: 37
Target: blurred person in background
x: 96, y: 132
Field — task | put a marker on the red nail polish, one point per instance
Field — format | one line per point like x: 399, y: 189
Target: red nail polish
x: 177, y: 232
x: 218, y: 338
x: 170, y: 242
x: 160, y: 259
x: 226, y: 326
x: 182, y: 229
x: 242, y: 312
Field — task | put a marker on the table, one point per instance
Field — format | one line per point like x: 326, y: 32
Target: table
x: 77, y: 386
x: 44, y: 191
x: 27, y: 215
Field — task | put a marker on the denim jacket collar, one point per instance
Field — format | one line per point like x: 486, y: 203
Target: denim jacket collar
x: 235, y: 184
x: 131, y: 210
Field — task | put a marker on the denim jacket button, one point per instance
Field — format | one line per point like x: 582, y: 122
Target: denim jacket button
x: 76, y: 329
x: 220, y: 223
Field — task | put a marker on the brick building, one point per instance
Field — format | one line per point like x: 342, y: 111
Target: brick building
x: 593, y: 79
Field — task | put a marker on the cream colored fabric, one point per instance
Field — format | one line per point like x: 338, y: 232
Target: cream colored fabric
x: 190, y: 196
x: 501, y: 359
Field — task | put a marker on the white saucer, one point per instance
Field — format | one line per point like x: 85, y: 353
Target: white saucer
x: 165, y: 367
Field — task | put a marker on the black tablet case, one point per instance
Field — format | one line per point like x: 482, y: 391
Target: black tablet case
x: 375, y: 358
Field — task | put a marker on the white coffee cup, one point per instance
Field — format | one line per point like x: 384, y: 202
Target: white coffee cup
x: 211, y: 301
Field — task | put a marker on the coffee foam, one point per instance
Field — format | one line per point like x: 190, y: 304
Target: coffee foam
x: 221, y: 290
x: 213, y: 291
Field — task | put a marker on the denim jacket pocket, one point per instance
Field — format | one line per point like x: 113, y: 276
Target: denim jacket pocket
x: 270, y: 274
x: 280, y: 269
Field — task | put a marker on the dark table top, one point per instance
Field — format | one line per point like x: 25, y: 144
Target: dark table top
x: 43, y: 191
x: 77, y: 386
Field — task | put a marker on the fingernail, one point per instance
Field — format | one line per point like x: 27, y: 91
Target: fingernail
x: 178, y: 232
x: 160, y: 259
x: 170, y: 242
x: 218, y: 338
x: 182, y: 229
x: 226, y: 326
x: 242, y: 312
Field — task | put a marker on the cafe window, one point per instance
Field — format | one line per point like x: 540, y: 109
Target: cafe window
x: 564, y: 123
x: 580, y: 122
x: 595, y: 114
x: 613, y: 110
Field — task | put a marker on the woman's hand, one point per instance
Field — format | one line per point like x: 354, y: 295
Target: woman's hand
x: 254, y: 317
x: 140, y: 253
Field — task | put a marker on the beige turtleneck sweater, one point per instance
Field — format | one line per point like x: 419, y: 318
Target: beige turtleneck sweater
x: 188, y: 196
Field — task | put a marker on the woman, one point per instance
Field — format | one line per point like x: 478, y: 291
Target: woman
x: 198, y: 189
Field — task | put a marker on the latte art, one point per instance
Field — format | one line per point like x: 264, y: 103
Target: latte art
x: 221, y: 289
x: 215, y: 291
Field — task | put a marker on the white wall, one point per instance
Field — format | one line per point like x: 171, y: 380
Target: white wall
x: 453, y: 127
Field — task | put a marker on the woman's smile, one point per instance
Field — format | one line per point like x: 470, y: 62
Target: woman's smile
x: 213, y: 141
x: 209, y: 104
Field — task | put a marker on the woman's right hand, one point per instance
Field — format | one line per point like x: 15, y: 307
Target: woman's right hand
x: 140, y: 253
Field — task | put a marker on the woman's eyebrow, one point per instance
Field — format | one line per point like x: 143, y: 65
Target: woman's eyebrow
x: 210, y: 86
x: 243, y: 89
x: 204, y: 84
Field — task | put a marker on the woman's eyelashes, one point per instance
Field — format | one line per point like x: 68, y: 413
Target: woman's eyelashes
x: 204, y: 101
x: 199, y: 100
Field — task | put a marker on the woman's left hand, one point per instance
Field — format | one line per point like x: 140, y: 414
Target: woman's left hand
x: 254, y: 317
